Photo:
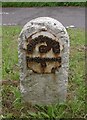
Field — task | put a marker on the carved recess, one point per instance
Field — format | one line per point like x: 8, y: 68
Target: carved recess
x: 43, y: 54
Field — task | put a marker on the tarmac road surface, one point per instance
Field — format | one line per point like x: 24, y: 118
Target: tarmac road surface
x: 68, y: 16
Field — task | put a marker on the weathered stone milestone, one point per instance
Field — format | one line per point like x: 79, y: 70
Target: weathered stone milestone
x: 43, y: 58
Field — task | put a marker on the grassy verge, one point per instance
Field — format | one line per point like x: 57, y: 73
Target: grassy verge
x: 41, y: 4
x: 12, y: 105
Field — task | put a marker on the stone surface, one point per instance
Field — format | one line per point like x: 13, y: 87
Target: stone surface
x: 44, y: 59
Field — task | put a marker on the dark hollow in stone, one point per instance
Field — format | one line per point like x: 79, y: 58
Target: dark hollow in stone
x: 43, y: 64
x: 56, y: 51
x: 43, y: 48
x: 56, y: 47
x: 54, y: 23
x: 40, y: 60
x: 53, y: 70
x: 35, y: 41
x: 29, y: 48
x: 60, y: 66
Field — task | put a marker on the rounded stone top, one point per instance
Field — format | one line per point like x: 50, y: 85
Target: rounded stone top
x: 44, y: 24
x: 47, y: 20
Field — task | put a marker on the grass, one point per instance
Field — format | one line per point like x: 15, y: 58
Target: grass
x: 42, y: 4
x: 13, y: 107
x: 9, y: 46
